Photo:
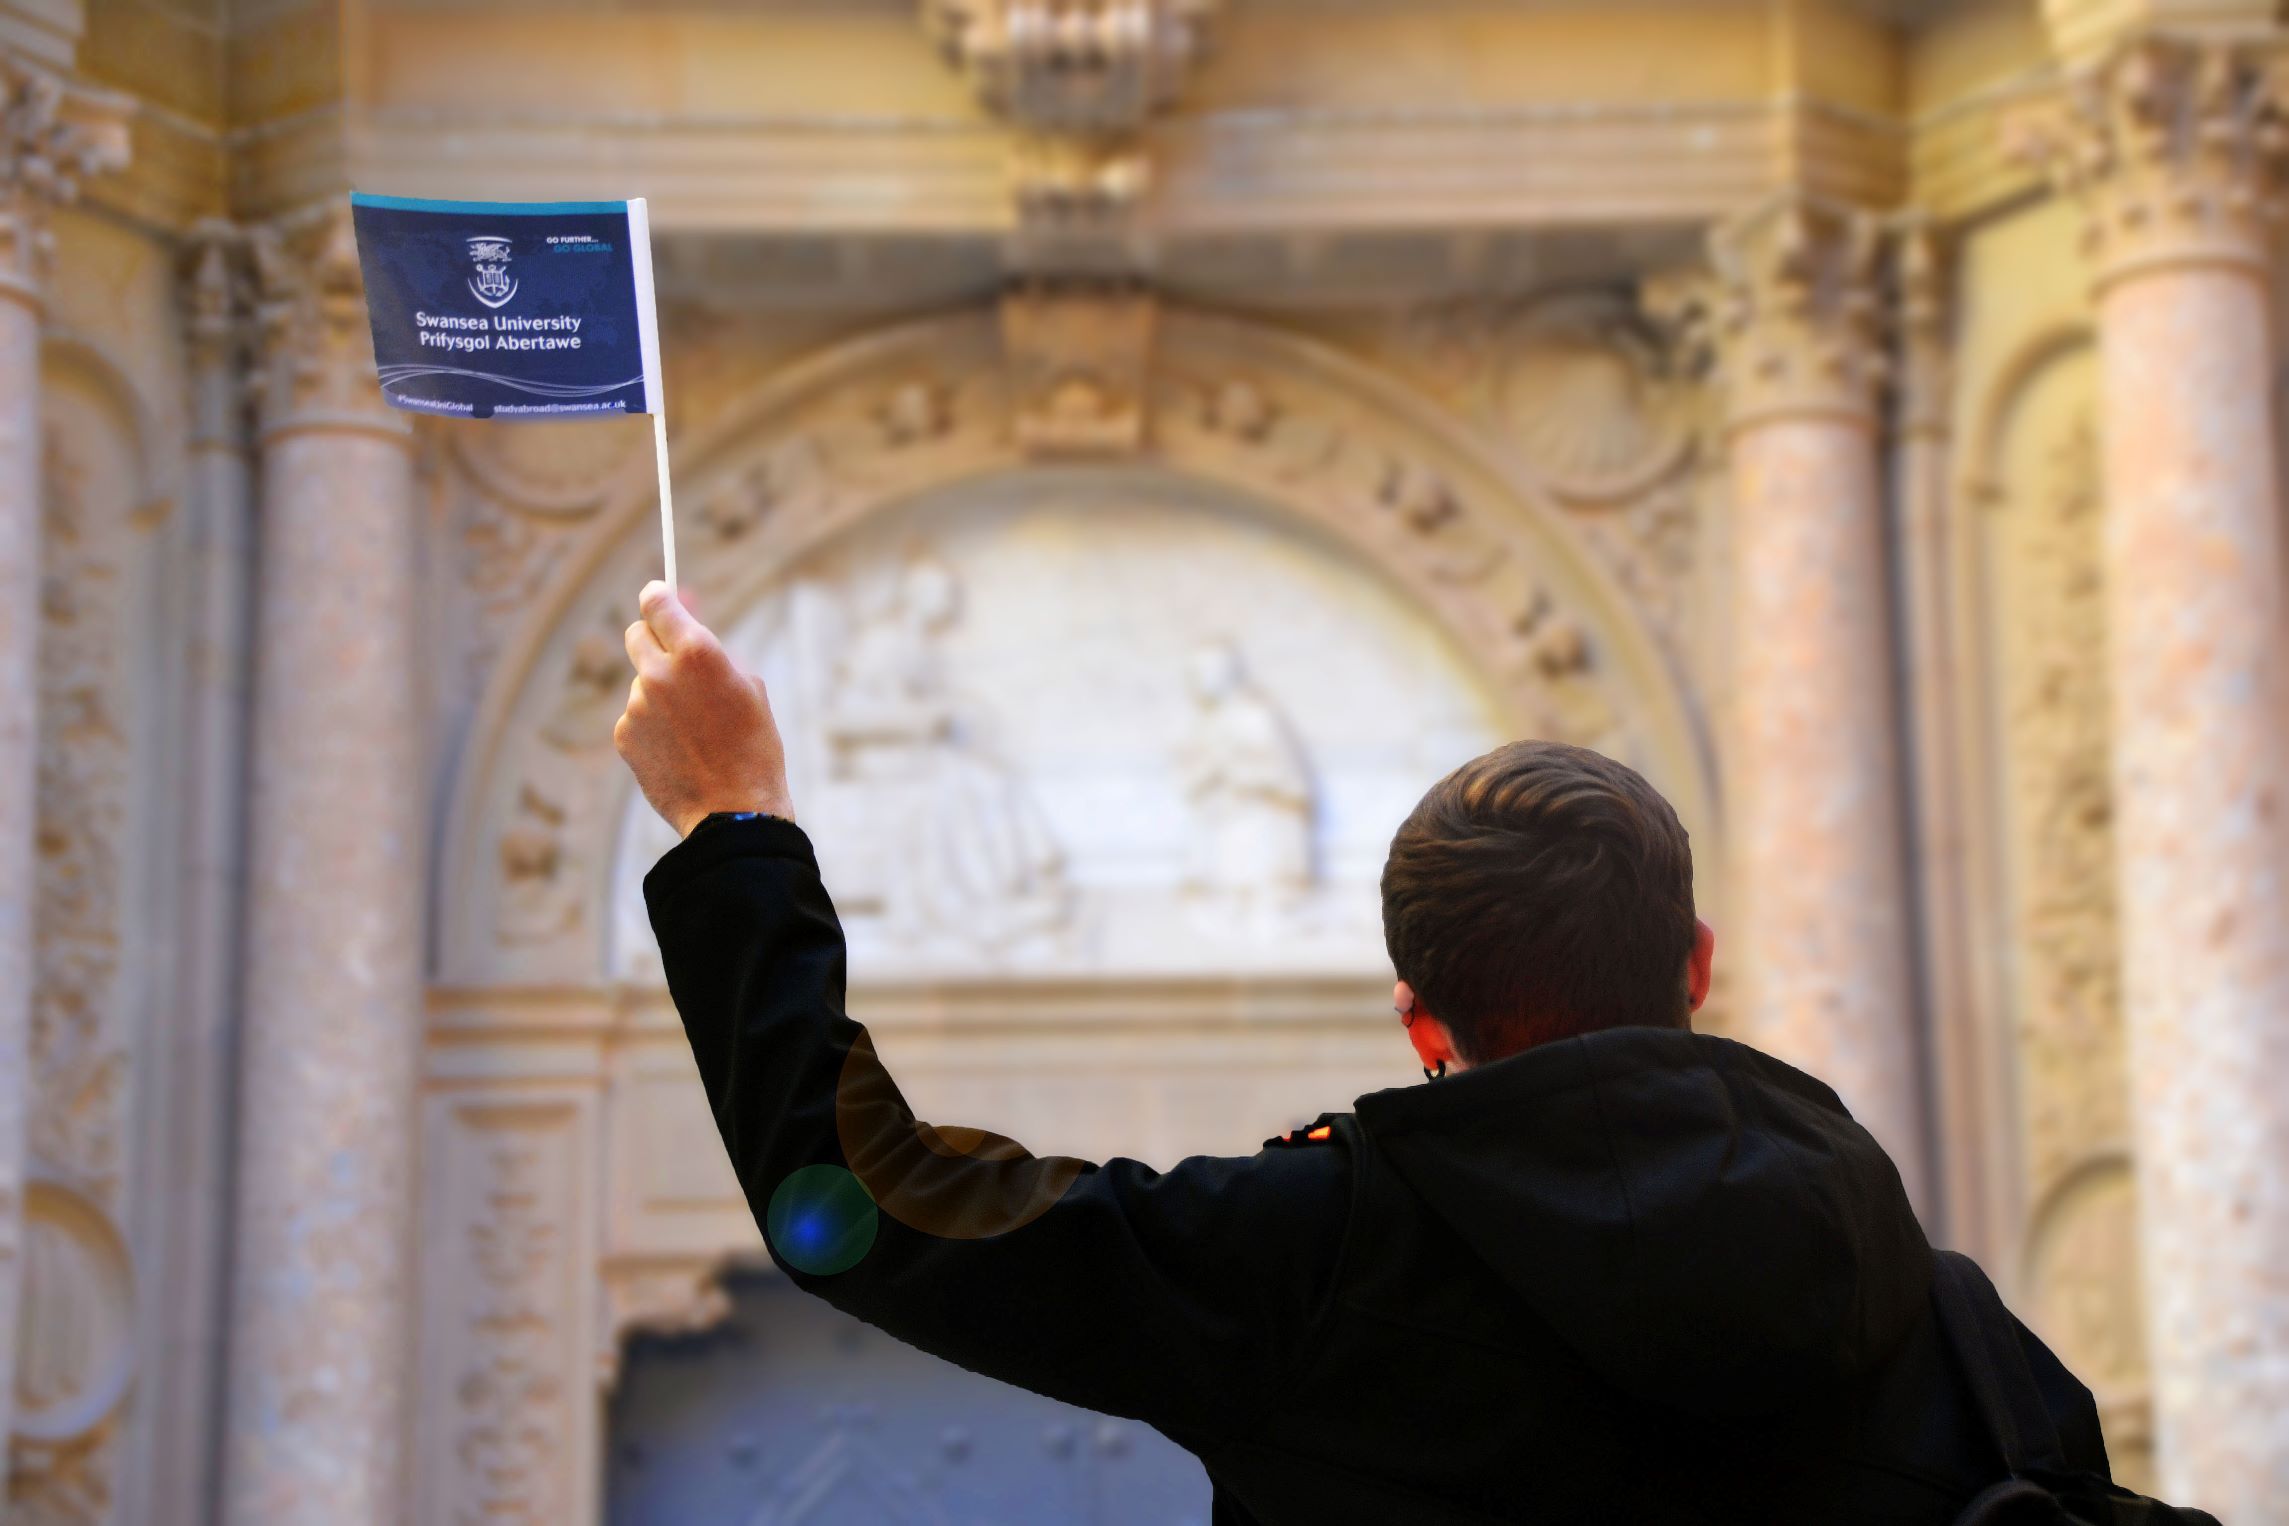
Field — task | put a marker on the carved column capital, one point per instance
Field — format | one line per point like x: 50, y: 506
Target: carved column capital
x: 2173, y: 146
x: 315, y: 353
x: 1919, y: 322
x: 1796, y: 328
x: 217, y: 292
x: 52, y: 136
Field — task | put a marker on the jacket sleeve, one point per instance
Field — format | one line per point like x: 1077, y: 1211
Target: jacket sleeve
x: 1180, y: 1298
x: 2072, y: 1406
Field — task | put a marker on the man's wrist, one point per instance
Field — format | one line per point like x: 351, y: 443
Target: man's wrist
x: 779, y: 807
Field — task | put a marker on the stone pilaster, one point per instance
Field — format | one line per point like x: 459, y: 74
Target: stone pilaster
x: 47, y: 144
x: 322, y: 1330
x: 1923, y: 543
x: 184, y: 1243
x: 1820, y: 940
x: 2174, y: 150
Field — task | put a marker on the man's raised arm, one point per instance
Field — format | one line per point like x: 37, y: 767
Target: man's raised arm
x: 1183, y: 1298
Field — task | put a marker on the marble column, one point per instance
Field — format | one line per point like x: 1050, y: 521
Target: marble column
x: 1819, y: 937
x: 46, y: 145
x: 322, y: 1328
x: 2174, y: 150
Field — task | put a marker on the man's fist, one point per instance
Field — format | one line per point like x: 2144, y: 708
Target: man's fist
x: 698, y: 733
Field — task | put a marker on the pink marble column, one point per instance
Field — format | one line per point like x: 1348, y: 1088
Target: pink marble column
x: 2174, y: 150
x: 1819, y: 933
x: 47, y: 142
x: 322, y: 1332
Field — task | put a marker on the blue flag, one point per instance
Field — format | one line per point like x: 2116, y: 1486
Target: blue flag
x: 511, y: 310
x: 517, y: 310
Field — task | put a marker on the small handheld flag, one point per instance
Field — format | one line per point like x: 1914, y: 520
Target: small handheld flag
x: 516, y: 310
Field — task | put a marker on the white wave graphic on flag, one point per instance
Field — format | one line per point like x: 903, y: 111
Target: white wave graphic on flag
x: 398, y: 375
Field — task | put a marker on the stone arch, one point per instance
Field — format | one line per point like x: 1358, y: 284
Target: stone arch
x: 1468, y: 533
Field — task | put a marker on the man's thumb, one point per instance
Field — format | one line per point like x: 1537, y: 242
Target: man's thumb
x: 671, y: 623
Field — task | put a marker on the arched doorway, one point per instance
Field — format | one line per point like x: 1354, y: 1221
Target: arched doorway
x: 1101, y: 760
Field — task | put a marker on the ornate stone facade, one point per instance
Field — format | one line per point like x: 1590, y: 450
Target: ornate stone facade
x: 1142, y: 442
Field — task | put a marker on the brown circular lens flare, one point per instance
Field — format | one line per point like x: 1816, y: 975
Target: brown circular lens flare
x: 955, y: 1183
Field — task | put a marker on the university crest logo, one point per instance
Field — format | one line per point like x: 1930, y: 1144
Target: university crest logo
x: 492, y: 284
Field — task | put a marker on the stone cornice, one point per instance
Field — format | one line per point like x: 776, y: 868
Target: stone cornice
x: 2173, y: 146
x: 1214, y: 175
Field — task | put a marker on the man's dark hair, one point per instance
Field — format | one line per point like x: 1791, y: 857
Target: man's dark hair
x: 1538, y: 892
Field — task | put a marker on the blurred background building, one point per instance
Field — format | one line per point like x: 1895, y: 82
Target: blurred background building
x: 1145, y: 442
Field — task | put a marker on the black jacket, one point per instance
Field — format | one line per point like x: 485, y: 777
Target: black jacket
x: 1642, y: 1276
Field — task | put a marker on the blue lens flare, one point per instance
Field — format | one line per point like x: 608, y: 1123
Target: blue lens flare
x: 821, y: 1220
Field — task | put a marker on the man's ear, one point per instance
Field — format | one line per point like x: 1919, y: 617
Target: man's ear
x: 1432, y: 1044
x: 1697, y: 965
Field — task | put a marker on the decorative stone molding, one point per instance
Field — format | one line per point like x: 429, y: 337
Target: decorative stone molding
x: 1796, y: 330
x: 52, y: 136
x: 316, y: 367
x: 1077, y: 359
x: 1073, y: 66
x: 2174, y: 147
x: 1602, y: 397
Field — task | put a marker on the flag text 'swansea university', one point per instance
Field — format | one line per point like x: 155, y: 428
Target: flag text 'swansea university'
x: 506, y: 310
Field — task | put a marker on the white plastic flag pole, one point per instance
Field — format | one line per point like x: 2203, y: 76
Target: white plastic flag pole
x: 667, y: 502
x: 655, y: 385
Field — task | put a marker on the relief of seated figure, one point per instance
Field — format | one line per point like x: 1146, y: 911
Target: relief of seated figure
x: 966, y: 855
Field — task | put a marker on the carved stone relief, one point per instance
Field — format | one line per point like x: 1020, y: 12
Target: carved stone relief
x: 519, y: 495
x: 1077, y: 357
x: 1250, y: 791
x: 75, y: 1360
x: 1081, y: 66
x: 1076, y: 80
x: 510, y: 1406
x: 1598, y: 404
x: 1245, y: 426
x: 2074, y: 1094
x: 916, y: 420
x: 968, y: 857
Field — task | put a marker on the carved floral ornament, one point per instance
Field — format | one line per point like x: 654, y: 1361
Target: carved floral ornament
x: 935, y: 404
x: 2174, y: 147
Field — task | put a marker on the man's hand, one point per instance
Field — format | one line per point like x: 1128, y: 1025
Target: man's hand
x: 698, y: 733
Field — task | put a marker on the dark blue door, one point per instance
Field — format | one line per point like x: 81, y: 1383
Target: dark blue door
x: 793, y: 1414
